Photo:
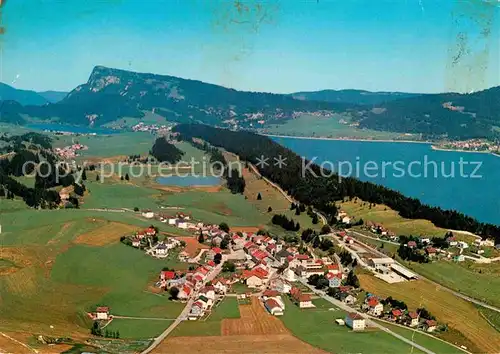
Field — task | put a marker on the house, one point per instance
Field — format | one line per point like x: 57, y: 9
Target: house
x: 161, y: 249
x: 355, y: 321
x: 182, y: 224
x: 375, y: 308
x: 289, y: 275
x: 347, y: 299
x: 269, y: 293
x: 430, y: 325
x: 172, y: 221
x: 333, y: 268
x: 273, y: 307
x: 184, y: 293
x: 150, y: 231
x: 431, y: 251
x: 220, y: 285
x: 396, y: 314
x: 411, y: 244
x: 254, y: 281
x: 102, y: 313
x: 413, y: 319
x: 463, y: 245
x: 452, y: 241
x: 280, y: 285
x: 184, y: 256
x: 217, y: 240
x: 136, y: 242
x: 425, y: 240
x: 335, y: 280
x: 282, y: 256
x: 302, y: 300
x: 196, y: 311
x: 148, y: 214
x: 167, y: 275
x: 208, y: 291
x: 459, y: 258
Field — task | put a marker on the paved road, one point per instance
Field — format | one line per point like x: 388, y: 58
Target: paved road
x: 143, y: 318
x: 183, y: 314
x: 440, y: 286
x: 368, y: 320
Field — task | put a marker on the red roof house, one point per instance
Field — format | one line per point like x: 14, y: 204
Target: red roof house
x: 167, y: 274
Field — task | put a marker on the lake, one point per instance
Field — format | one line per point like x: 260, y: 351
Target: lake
x: 467, y: 182
x: 72, y: 128
x: 189, y: 181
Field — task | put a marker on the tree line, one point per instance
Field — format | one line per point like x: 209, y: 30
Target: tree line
x: 321, y: 191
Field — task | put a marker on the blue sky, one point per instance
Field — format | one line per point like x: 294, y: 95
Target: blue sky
x: 278, y: 46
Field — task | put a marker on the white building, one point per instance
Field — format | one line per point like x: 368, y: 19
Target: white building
x: 102, y: 313
x: 355, y: 321
x: 148, y: 214
x: 462, y: 245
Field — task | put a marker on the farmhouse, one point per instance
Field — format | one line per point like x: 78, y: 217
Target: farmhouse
x: 462, y: 245
x: 185, y: 292
x: 302, y: 300
x: 220, y: 285
x: 431, y: 251
x: 413, y: 319
x: 396, y: 314
x: 355, y: 321
x: 208, y: 292
x: 430, y: 325
x: 452, y: 241
x: 148, y: 214
x: 273, y: 307
x: 136, y: 242
x: 375, y: 308
x: 333, y: 268
x: 167, y: 275
x: 196, y: 310
x: 334, y: 280
x: 102, y: 313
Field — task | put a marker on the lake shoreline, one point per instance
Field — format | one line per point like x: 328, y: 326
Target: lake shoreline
x: 432, y: 144
x: 346, y: 139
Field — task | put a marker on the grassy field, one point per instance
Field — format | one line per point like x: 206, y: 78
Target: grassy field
x: 493, y: 317
x: 217, y: 207
x: 427, y: 342
x: 318, y: 328
x: 390, y: 219
x: 375, y: 243
x: 448, y: 309
x: 308, y: 125
x: 228, y: 308
x: 110, y: 145
x: 45, y: 266
x: 138, y: 329
x: 479, y: 281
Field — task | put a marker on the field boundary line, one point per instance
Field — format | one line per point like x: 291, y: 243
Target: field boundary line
x: 421, y: 332
x: 18, y: 342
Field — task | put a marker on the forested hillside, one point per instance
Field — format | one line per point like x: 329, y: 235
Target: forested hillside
x: 457, y: 116
x: 312, y: 189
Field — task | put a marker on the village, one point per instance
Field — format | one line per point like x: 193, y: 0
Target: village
x: 70, y: 151
x: 264, y: 267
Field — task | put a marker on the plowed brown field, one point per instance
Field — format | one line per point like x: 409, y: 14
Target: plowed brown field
x: 256, y: 331
x: 256, y: 344
x: 253, y: 320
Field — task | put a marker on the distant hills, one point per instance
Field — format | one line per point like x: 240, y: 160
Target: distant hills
x: 453, y: 115
x: 24, y: 97
x: 360, y: 97
x: 111, y: 94
x: 53, y: 96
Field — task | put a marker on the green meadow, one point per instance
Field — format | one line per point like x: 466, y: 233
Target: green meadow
x: 317, y: 327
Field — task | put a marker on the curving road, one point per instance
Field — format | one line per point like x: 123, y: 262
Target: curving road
x: 368, y: 320
x: 440, y: 286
